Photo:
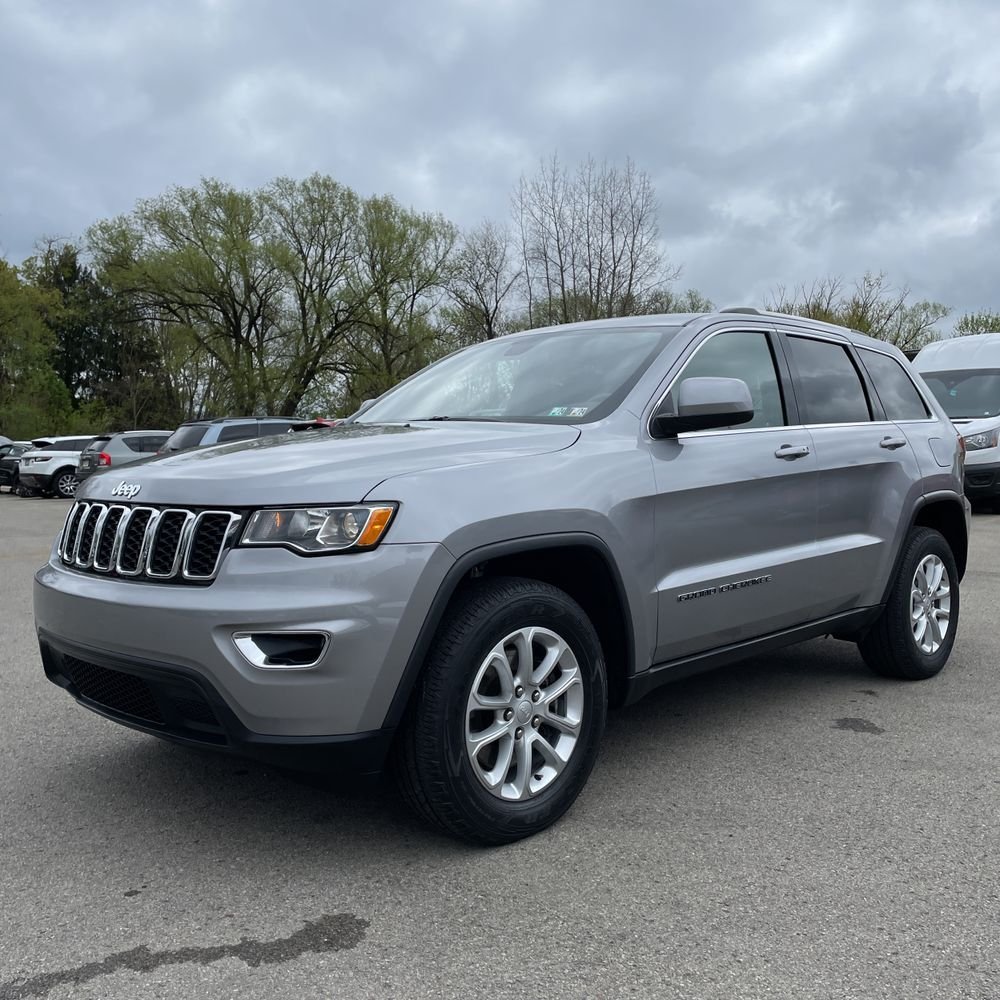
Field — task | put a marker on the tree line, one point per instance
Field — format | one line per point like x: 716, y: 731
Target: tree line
x: 302, y: 297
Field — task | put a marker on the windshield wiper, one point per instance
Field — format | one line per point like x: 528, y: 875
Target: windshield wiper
x: 473, y: 419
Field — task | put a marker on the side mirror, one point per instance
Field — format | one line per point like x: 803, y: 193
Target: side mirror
x: 703, y: 403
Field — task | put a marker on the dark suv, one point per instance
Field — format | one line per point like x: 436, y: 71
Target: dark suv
x: 464, y: 575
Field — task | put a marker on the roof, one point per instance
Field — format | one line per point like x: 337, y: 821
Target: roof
x: 978, y: 351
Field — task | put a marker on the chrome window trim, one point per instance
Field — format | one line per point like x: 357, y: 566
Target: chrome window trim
x: 763, y: 330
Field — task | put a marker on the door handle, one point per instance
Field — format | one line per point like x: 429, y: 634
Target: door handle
x: 892, y: 443
x: 790, y: 451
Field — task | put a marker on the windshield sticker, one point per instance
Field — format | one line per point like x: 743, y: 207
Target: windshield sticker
x: 579, y: 411
x: 558, y: 411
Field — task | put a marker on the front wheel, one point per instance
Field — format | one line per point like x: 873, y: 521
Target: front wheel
x: 913, y: 637
x: 505, y: 724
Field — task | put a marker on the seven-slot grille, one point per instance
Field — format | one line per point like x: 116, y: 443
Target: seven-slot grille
x: 170, y: 544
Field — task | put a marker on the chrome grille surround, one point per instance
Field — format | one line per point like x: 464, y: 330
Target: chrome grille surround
x: 147, y: 543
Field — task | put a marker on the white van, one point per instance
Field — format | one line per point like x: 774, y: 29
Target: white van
x: 964, y: 375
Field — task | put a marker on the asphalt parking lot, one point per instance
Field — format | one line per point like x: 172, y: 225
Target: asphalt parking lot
x: 788, y: 827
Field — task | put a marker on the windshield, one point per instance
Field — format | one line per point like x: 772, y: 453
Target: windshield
x: 188, y: 436
x: 556, y: 377
x: 968, y: 394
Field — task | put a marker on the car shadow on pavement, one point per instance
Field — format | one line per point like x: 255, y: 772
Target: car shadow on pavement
x: 137, y: 786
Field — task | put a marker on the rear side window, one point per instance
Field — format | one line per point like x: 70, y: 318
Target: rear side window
x: 67, y: 444
x: 238, y: 432
x: 134, y: 443
x: 188, y: 436
x: 745, y: 356
x: 829, y: 389
x: 899, y: 396
x: 274, y: 427
x: 152, y: 443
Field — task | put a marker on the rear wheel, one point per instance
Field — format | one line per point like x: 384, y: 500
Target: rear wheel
x: 64, y: 484
x: 914, y: 636
x: 505, y: 724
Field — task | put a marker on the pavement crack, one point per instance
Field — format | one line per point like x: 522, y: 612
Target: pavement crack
x: 336, y: 932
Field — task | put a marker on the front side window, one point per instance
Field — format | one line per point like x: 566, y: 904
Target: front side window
x: 564, y: 377
x: 745, y: 356
x: 966, y: 394
x: 895, y: 389
x: 829, y: 389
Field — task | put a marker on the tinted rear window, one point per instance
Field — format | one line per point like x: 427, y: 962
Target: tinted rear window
x: 897, y: 392
x: 97, y: 444
x: 188, y: 436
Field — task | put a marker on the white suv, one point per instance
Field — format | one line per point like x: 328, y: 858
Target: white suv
x: 51, y: 469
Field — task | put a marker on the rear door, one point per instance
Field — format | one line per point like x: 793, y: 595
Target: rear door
x: 735, y: 514
x: 867, y: 470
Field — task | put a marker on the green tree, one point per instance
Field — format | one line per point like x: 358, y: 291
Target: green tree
x: 978, y: 322
x: 33, y: 399
x: 400, y: 277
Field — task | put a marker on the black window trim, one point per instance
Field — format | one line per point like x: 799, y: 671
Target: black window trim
x: 908, y: 372
x: 785, y: 383
x: 876, y: 415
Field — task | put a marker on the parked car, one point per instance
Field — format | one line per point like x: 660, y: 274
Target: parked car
x: 111, y: 451
x: 50, y: 469
x: 964, y: 375
x: 460, y: 579
x: 201, y: 433
x: 10, y: 455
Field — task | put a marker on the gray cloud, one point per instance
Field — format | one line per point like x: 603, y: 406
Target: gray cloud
x: 787, y: 140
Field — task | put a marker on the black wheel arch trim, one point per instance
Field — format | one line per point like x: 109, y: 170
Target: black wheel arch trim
x: 475, y: 557
x: 926, y: 500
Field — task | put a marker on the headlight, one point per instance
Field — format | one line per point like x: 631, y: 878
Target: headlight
x: 987, y: 439
x: 317, y: 530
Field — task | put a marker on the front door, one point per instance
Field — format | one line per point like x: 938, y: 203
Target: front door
x: 735, y: 510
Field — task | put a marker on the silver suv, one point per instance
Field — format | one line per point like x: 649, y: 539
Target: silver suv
x: 461, y: 578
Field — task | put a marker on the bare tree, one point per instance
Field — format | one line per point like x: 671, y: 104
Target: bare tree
x: 873, y: 306
x: 483, y: 275
x: 589, y: 242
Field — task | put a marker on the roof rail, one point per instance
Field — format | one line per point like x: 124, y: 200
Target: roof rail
x: 753, y: 310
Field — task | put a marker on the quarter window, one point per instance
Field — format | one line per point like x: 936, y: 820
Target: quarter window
x: 895, y: 389
x: 829, y: 389
x: 745, y: 356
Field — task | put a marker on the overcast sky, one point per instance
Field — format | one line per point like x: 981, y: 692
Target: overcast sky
x: 787, y: 139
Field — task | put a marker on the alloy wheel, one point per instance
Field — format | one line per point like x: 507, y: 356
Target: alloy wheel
x: 524, y: 713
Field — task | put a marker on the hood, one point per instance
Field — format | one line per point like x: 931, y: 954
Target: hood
x: 975, y: 425
x: 339, y: 465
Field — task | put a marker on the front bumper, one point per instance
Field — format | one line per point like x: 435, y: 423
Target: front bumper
x: 371, y: 604
x: 182, y: 706
x: 982, y: 480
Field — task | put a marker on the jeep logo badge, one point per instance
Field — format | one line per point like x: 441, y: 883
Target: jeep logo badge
x: 127, y: 490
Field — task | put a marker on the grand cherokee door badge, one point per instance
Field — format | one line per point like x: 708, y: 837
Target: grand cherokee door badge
x: 724, y: 588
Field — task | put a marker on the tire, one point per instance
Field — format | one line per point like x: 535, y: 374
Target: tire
x: 489, y: 797
x: 891, y: 647
x: 64, y: 484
